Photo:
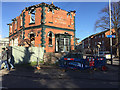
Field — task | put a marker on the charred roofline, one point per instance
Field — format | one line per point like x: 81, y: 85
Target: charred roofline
x: 46, y: 5
x: 9, y: 24
x: 14, y: 19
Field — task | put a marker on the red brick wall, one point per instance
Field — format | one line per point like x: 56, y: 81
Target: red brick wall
x: 55, y: 31
x: 59, y: 19
x: 37, y: 18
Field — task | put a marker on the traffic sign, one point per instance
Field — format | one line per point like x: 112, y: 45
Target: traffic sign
x: 110, y: 36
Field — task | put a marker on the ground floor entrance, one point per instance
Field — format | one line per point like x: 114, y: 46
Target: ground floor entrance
x: 62, y: 43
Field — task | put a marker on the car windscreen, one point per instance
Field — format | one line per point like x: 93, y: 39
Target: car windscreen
x: 74, y: 56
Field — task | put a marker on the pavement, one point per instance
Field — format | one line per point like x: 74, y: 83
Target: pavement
x: 54, y: 77
x: 115, y: 61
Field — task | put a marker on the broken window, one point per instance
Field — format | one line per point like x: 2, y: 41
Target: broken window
x: 48, y: 10
x: 32, y: 39
x: 10, y: 28
x: 15, y: 24
x: 21, y: 20
x: 50, y: 38
x: 32, y: 15
x: 52, y: 11
x: 70, y: 16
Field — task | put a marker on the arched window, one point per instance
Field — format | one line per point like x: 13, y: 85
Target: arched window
x: 50, y: 36
x: 50, y: 39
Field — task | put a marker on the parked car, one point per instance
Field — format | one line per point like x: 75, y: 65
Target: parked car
x: 73, y: 55
x: 106, y: 54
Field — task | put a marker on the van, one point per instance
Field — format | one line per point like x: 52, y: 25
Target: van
x: 106, y: 54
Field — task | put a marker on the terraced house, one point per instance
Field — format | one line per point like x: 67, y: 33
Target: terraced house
x: 90, y: 44
x: 44, y: 25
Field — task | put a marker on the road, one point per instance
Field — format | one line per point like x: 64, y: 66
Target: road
x: 52, y: 77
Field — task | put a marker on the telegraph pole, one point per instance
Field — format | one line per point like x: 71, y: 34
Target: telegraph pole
x: 110, y: 31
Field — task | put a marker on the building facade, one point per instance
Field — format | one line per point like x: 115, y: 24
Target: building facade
x: 44, y: 25
x: 4, y: 42
x: 99, y: 40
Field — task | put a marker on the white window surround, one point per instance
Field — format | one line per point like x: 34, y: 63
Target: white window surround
x: 10, y: 28
x: 52, y: 11
x: 15, y: 24
x: 16, y: 42
x: 48, y: 10
x: 70, y: 16
x: 21, y: 21
x: 32, y: 16
x: 52, y: 34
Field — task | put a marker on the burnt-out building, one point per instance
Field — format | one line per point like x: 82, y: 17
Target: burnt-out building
x: 44, y: 25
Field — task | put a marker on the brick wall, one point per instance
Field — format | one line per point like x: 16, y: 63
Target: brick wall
x: 60, y: 21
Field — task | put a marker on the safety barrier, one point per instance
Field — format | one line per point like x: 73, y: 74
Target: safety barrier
x: 82, y: 64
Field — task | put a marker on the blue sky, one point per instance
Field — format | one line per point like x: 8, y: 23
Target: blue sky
x: 86, y: 15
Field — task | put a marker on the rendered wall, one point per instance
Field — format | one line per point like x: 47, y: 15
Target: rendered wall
x: 27, y: 54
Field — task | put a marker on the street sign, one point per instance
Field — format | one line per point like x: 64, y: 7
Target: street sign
x: 110, y: 36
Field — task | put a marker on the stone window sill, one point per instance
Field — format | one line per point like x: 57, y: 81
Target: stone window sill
x: 20, y: 26
x: 51, y: 22
x: 31, y: 23
x: 50, y: 45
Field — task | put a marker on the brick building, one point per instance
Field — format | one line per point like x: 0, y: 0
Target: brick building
x: 90, y: 44
x: 44, y: 25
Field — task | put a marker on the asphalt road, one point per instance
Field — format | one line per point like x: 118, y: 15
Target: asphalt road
x: 50, y: 77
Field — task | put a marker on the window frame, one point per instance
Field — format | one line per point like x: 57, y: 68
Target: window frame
x: 32, y: 16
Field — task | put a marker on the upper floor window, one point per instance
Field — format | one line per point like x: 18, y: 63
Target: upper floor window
x: 48, y: 10
x: 99, y: 36
x: 71, y: 16
x: 16, y: 24
x: 119, y: 31
x: 102, y: 42
x: 89, y: 39
x: 32, y: 15
x: 21, y: 20
x: 95, y: 43
x: 52, y: 11
x: 10, y: 28
x: 102, y: 35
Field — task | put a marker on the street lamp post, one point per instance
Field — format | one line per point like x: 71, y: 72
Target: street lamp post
x: 110, y: 31
x: 99, y: 43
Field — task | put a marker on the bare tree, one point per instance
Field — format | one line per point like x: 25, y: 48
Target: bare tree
x: 104, y: 21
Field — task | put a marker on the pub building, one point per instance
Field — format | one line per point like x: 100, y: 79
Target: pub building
x: 44, y: 25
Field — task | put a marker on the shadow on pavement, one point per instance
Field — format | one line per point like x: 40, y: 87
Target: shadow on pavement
x: 23, y: 76
x: 26, y: 76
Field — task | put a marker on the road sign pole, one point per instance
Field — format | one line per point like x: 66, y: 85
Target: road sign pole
x: 110, y: 30
x: 98, y: 51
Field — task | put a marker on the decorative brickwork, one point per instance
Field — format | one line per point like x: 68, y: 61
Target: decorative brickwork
x: 47, y: 17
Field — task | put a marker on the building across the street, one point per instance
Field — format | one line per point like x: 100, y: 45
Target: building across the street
x: 99, y: 40
x: 4, y: 42
x: 44, y: 25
